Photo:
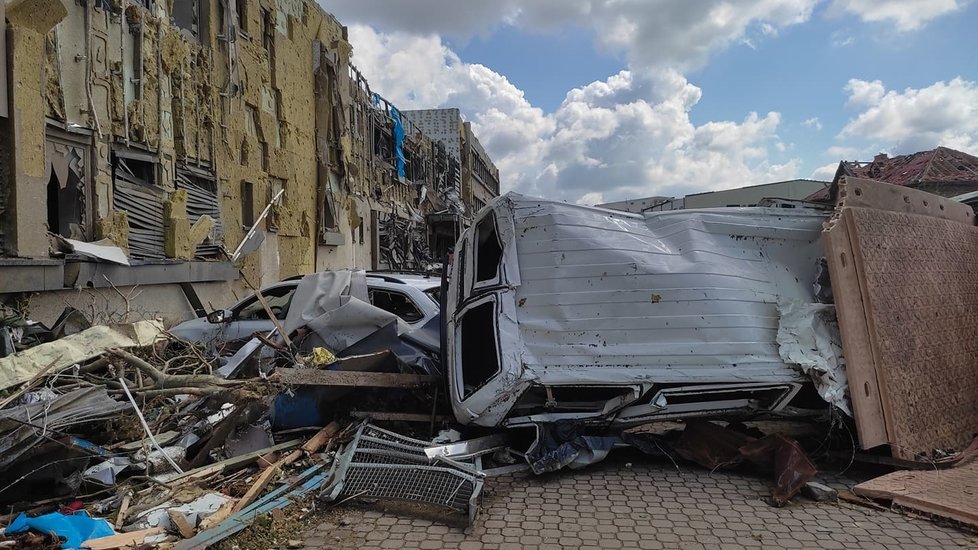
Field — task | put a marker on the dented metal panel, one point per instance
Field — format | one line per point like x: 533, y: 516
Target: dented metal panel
x: 625, y: 306
x: 144, y: 209
x: 203, y: 201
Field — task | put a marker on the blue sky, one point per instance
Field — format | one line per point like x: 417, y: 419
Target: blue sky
x: 593, y: 100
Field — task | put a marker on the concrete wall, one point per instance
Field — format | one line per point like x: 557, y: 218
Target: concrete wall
x: 749, y: 196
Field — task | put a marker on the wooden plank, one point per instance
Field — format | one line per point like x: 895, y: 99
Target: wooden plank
x: 860, y: 368
x: 222, y: 513
x: 315, y: 443
x: 121, y: 540
x: 316, y: 377
x: 235, y: 462
x: 864, y: 193
x: 179, y: 521
x: 946, y: 493
x: 918, y: 281
x: 120, y: 518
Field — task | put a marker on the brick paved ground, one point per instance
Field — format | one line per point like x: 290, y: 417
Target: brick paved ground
x: 639, y: 504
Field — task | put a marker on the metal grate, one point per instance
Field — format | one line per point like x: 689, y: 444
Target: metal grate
x: 379, y: 463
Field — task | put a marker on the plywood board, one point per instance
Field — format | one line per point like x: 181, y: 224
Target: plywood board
x: 919, y: 285
x: 951, y: 493
x: 863, y: 193
x: 860, y: 367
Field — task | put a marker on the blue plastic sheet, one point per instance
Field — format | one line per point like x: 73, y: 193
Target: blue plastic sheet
x: 398, y: 135
x: 75, y: 529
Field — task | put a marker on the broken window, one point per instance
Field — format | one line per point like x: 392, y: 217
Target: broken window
x: 202, y: 201
x: 247, y: 204
x: 134, y: 191
x: 274, y: 186
x: 488, y: 251
x: 267, y: 30
x: 192, y: 16
x: 241, y: 7
x: 3, y: 62
x: 396, y: 303
x: 480, y: 354
x: 70, y: 196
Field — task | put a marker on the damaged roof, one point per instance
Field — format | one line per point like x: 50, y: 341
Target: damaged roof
x: 937, y: 166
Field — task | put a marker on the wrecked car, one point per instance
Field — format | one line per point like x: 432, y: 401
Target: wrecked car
x: 411, y: 297
x: 561, y: 312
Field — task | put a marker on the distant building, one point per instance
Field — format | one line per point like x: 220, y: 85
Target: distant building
x: 648, y: 204
x: 474, y: 175
x: 752, y: 194
x: 941, y: 171
x: 790, y: 190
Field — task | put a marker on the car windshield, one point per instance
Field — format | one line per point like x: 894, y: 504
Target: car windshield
x: 434, y: 293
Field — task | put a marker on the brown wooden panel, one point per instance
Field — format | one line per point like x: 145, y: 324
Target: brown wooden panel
x: 860, y: 367
x: 920, y: 289
x: 945, y: 493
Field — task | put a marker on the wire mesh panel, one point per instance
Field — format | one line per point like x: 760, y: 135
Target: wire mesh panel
x: 379, y: 463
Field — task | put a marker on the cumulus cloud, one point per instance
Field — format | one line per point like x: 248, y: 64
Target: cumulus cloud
x: 628, y: 135
x: 907, y: 15
x: 825, y: 173
x: 945, y: 113
x: 672, y: 34
x: 862, y: 92
x: 813, y: 123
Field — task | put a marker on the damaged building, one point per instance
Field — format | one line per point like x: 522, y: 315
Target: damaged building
x: 165, y: 128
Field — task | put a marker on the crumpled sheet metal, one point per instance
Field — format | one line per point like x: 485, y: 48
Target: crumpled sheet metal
x: 713, y: 446
x: 74, y: 348
x: 54, y: 416
x: 587, y: 296
x: 321, y: 292
x: 808, y: 336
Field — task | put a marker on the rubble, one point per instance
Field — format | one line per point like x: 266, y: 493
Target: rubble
x: 732, y: 359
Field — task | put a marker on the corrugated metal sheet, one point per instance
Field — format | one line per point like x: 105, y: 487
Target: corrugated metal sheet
x: 144, y: 207
x: 592, y: 296
x: 201, y: 201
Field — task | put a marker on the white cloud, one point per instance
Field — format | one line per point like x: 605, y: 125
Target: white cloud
x: 591, y: 199
x: 626, y: 136
x: 945, y: 113
x: 671, y: 34
x: 825, y: 173
x: 907, y: 15
x: 813, y: 122
x: 862, y: 92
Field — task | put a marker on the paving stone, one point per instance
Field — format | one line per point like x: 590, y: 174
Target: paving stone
x: 648, y: 505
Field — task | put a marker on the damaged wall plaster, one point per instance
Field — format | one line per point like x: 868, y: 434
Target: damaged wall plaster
x: 231, y: 97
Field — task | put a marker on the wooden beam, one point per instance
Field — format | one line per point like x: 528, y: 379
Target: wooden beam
x: 235, y: 462
x: 316, y: 377
x: 121, y: 540
x: 315, y: 443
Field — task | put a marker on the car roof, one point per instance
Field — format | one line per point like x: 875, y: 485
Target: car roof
x: 420, y: 281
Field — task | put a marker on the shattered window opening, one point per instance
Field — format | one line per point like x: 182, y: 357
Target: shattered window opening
x: 479, y: 350
x: 489, y: 251
x: 241, y: 7
x: 247, y: 204
x: 396, y: 303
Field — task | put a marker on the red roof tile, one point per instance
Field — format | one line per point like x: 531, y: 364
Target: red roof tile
x: 941, y: 165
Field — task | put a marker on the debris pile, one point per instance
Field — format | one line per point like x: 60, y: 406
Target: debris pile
x: 704, y: 336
